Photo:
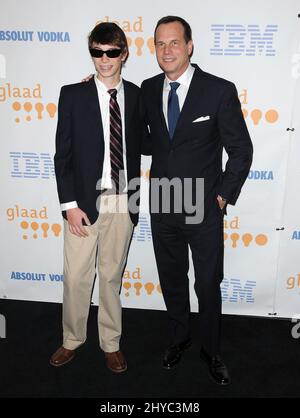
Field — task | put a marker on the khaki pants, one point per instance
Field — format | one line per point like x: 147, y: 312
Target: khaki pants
x: 110, y: 235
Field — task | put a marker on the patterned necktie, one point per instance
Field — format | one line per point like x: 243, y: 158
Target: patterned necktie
x: 115, y: 143
x: 173, y: 108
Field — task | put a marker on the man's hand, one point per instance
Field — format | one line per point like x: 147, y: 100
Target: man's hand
x: 85, y: 79
x: 221, y: 201
x: 75, y: 217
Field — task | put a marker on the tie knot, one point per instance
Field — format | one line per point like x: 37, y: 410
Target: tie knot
x: 113, y: 93
x: 174, y: 85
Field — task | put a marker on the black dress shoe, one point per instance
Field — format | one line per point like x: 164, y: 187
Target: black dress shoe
x: 173, y: 354
x: 217, y: 369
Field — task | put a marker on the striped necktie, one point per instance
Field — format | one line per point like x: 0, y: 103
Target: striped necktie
x: 116, y: 143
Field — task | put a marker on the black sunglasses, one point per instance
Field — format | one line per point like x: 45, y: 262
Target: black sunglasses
x: 110, y: 53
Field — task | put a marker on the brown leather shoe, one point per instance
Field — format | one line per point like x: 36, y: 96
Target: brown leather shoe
x: 62, y: 356
x: 116, y: 362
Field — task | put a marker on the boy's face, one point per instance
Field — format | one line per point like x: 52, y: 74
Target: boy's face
x: 108, y: 67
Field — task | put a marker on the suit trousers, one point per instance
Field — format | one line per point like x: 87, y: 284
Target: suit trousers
x: 172, y: 239
x: 106, y: 246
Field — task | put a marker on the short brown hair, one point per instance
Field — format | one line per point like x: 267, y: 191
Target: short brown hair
x: 171, y: 19
x: 108, y: 33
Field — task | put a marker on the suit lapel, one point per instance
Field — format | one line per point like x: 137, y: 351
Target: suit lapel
x: 159, y: 101
x: 191, y: 102
x: 93, y: 104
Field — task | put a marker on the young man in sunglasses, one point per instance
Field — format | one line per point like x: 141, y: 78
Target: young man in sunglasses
x: 97, y: 155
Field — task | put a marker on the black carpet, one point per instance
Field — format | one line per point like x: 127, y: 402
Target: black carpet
x: 261, y: 354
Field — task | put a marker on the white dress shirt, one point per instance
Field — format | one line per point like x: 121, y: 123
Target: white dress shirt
x: 104, y: 98
x: 185, y: 81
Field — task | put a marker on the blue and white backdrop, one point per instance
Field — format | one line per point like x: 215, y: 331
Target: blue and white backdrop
x: 43, y: 45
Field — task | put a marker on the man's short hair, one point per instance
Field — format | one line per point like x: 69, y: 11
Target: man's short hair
x: 171, y: 19
x: 108, y: 33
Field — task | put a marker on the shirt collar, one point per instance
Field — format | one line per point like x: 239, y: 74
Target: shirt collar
x: 184, y: 79
x: 102, y: 87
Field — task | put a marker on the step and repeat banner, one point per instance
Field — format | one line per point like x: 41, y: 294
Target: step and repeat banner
x: 43, y: 45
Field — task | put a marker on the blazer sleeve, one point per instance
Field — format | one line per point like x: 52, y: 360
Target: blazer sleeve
x: 146, y: 135
x: 237, y: 143
x: 63, y: 161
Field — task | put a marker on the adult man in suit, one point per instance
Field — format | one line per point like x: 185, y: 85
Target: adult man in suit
x: 192, y: 116
x: 97, y: 155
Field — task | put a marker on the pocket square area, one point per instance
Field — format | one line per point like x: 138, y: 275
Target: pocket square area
x: 201, y: 119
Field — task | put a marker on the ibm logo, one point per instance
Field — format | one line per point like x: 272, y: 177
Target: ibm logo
x: 30, y: 165
x: 143, y: 230
x: 233, y: 291
x: 238, y: 40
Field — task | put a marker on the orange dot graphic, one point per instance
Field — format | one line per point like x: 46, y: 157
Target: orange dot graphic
x: 24, y: 225
x: 261, y: 239
x: 158, y: 288
x: 234, y: 237
x: 16, y: 106
x: 35, y: 227
x: 127, y: 286
x: 256, y: 115
x: 45, y: 228
x: 271, y: 116
x: 149, y: 288
x: 139, y: 42
x: 28, y: 108
x: 39, y: 107
x: 150, y: 44
x: 56, y: 228
x: 138, y: 287
x: 51, y: 109
x: 247, y: 238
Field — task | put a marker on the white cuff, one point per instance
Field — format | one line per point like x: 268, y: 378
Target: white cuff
x: 68, y: 205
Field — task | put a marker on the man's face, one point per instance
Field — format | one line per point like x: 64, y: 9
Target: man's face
x: 108, y: 68
x: 172, y: 51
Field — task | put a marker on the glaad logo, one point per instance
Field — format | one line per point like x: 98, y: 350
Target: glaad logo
x: 137, y: 40
x: 234, y: 238
x: 34, y: 223
x: 239, y: 40
x: 257, y: 115
x: 134, y: 285
x: 295, y: 331
x: 293, y: 283
x: 2, y: 326
x: 27, y: 102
